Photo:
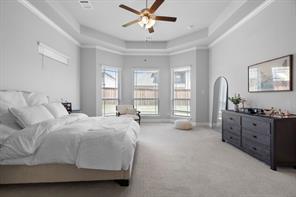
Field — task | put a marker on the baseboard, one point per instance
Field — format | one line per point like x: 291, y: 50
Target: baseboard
x: 154, y: 120
x: 202, y: 124
x: 169, y: 120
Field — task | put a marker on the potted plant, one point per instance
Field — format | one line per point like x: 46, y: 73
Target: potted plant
x: 236, y: 100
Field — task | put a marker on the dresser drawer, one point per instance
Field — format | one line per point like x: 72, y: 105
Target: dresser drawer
x: 230, y: 118
x: 232, y: 138
x: 232, y: 128
x: 256, y: 137
x: 253, y: 124
x: 256, y: 150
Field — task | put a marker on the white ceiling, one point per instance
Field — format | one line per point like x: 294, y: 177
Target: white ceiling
x: 107, y: 17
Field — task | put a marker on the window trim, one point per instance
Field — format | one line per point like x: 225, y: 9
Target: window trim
x: 104, y: 66
x: 173, y: 68
x: 133, y: 88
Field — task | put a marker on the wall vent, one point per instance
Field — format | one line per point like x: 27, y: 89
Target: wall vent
x: 86, y: 4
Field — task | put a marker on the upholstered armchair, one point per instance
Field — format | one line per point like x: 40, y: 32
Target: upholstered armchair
x: 128, y: 111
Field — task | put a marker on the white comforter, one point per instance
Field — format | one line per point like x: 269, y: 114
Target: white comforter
x: 89, y: 142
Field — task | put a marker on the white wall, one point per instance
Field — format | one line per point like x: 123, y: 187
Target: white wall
x: 22, y: 68
x: 188, y: 59
x: 270, y: 34
x: 155, y: 62
x: 198, y: 60
x: 108, y: 59
x: 202, y: 85
x: 91, y: 67
x: 93, y: 59
x: 88, y: 81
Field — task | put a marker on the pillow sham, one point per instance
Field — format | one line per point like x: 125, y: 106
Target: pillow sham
x: 11, y: 99
x: 56, y: 109
x: 34, y: 98
x: 7, y: 100
x: 27, y: 116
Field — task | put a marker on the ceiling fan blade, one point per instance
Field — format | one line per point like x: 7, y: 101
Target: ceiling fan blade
x: 166, y: 18
x: 129, y: 9
x: 130, y: 23
x: 155, y: 6
x: 151, y: 30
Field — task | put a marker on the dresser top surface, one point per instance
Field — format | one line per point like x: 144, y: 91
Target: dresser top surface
x: 262, y: 115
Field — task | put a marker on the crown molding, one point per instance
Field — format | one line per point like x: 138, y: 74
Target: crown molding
x: 146, y: 52
x: 64, y: 14
x: 47, y: 20
x: 230, y: 10
x: 151, y: 52
x: 251, y: 15
x: 183, y: 51
x: 102, y: 49
x: 100, y: 41
x: 100, y: 38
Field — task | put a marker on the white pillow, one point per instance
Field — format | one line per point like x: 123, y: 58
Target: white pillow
x: 131, y: 111
x: 5, y: 132
x: 11, y: 99
x: 27, y: 116
x: 34, y: 98
x: 57, y: 109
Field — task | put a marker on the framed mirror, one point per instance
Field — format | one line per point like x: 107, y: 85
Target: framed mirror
x: 220, y: 102
x: 271, y: 76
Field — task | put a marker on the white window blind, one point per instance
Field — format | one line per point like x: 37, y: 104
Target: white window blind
x: 181, y: 95
x: 146, y: 91
x: 110, y: 90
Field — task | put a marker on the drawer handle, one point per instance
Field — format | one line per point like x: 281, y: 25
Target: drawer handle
x: 254, y: 148
x: 231, y: 118
x: 254, y: 136
x: 254, y: 124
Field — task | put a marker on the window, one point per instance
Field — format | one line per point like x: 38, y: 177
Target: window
x: 146, y: 91
x: 181, y: 96
x: 110, y: 90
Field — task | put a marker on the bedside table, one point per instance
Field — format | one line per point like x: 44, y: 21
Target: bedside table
x: 68, y: 107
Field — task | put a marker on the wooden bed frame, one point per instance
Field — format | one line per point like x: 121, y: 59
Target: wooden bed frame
x: 49, y: 173
x: 55, y: 173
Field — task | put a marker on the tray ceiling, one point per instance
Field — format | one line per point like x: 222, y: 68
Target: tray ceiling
x: 107, y: 17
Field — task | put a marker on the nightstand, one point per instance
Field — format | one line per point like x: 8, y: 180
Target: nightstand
x: 68, y: 107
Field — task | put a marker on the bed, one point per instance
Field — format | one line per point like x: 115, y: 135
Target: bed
x: 61, y: 147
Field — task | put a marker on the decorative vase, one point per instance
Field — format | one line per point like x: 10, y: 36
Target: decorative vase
x: 236, y: 108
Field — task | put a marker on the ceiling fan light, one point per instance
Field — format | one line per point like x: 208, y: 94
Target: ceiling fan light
x: 145, y: 20
x: 141, y: 23
x: 150, y: 23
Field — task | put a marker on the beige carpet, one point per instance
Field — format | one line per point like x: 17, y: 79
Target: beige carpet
x: 178, y: 163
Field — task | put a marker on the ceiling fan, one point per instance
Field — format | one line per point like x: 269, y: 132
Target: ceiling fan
x: 147, y: 17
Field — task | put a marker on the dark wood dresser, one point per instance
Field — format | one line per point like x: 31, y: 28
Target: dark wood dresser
x: 269, y: 139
